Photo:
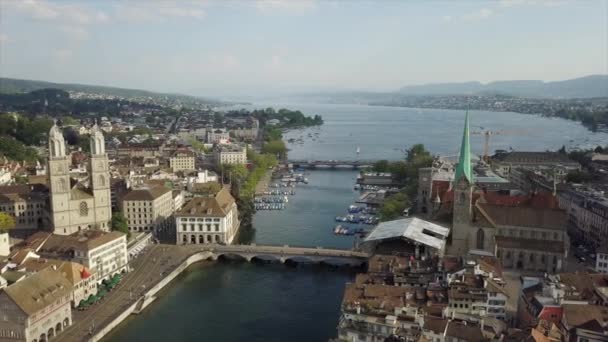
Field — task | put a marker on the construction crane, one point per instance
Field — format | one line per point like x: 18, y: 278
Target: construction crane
x: 487, y: 134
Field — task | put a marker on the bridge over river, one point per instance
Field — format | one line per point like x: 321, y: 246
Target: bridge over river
x: 284, y: 253
x: 331, y: 164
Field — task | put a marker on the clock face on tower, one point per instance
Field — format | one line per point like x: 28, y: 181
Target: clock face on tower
x: 100, y: 165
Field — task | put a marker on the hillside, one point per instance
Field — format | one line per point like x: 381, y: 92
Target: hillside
x: 18, y: 86
x: 583, y: 87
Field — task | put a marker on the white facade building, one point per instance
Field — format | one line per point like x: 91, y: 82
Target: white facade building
x: 149, y: 209
x: 601, y: 260
x: 208, y: 220
x: 230, y: 154
x: 204, y: 176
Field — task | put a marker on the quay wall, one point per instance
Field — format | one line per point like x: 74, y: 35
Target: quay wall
x: 150, y: 293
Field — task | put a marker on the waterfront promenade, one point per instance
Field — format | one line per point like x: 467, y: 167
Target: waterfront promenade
x: 157, y: 265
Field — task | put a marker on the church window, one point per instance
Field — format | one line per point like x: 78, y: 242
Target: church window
x: 480, y: 238
x: 461, y: 198
x: 102, y: 181
x: 84, y: 209
x: 62, y: 185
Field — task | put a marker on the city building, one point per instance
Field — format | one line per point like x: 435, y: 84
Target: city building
x: 212, y: 219
x: 28, y: 206
x: 104, y: 253
x: 202, y: 177
x: 583, y: 323
x: 36, y: 308
x: 413, y: 236
x: 587, y: 209
x: 230, y: 154
x: 218, y: 136
x: 182, y: 160
x: 82, y: 280
x: 74, y: 205
x: 249, y: 130
x: 601, y: 259
x: 513, y: 228
x: 558, y: 163
x: 148, y: 208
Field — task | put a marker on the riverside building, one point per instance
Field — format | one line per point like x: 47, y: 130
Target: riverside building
x: 212, y: 219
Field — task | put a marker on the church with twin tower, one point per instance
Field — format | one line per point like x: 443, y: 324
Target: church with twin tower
x: 77, y: 205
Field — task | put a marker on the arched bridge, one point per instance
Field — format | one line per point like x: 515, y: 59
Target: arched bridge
x: 285, y: 253
x: 332, y: 164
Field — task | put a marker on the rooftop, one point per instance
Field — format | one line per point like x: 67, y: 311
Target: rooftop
x: 519, y: 216
x: 212, y: 206
x: 39, y: 290
x: 85, y: 240
x: 415, y: 229
x: 146, y: 193
x: 533, y: 157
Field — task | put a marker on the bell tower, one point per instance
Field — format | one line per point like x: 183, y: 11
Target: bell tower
x: 463, y: 193
x: 59, y: 181
x: 99, y: 179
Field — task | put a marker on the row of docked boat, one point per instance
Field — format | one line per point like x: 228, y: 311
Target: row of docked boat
x: 271, y: 199
x: 358, y: 219
x: 345, y: 230
x: 279, y: 192
x: 269, y: 206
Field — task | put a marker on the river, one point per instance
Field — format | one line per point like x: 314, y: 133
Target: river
x: 239, y: 301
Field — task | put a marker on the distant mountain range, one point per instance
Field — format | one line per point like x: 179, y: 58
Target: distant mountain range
x: 583, y: 87
x: 16, y: 86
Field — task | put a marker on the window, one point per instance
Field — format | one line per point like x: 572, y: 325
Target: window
x: 480, y: 238
x: 84, y: 209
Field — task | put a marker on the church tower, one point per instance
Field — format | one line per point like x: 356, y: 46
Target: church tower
x: 99, y: 179
x: 59, y: 181
x: 463, y: 192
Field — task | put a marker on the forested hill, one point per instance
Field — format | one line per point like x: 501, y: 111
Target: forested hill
x: 17, y: 86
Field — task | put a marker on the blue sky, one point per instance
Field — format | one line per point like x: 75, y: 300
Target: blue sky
x: 277, y: 46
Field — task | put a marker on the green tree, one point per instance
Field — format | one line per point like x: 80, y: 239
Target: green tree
x: 275, y: 147
x: 119, y: 223
x: 380, y: 166
x: 393, y: 206
x: 7, y: 222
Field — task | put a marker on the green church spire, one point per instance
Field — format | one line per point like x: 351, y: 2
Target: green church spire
x: 464, y: 161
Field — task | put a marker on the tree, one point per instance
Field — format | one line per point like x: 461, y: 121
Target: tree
x: 393, y: 206
x: 380, y: 166
x: 7, y: 222
x: 119, y: 223
x: 275, y: 147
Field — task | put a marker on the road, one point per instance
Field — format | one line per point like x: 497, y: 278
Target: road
x: 146, y: 270
x: 152, y: 265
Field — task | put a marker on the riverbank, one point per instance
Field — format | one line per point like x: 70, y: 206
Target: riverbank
x: 193, y: 254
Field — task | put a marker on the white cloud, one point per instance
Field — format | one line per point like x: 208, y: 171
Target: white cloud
x: 195, y: 13
x: 478, y: 15
x: 63, y: 55
x: 37, y: 9
x: 547, y: 3
x: 75, y: 32
x: 101, y: 17
x: 296, y: 6
x: 143, y: 12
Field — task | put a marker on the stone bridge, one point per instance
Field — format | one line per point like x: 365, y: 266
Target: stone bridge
x: 285, y: 253
x: 332, y: 164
